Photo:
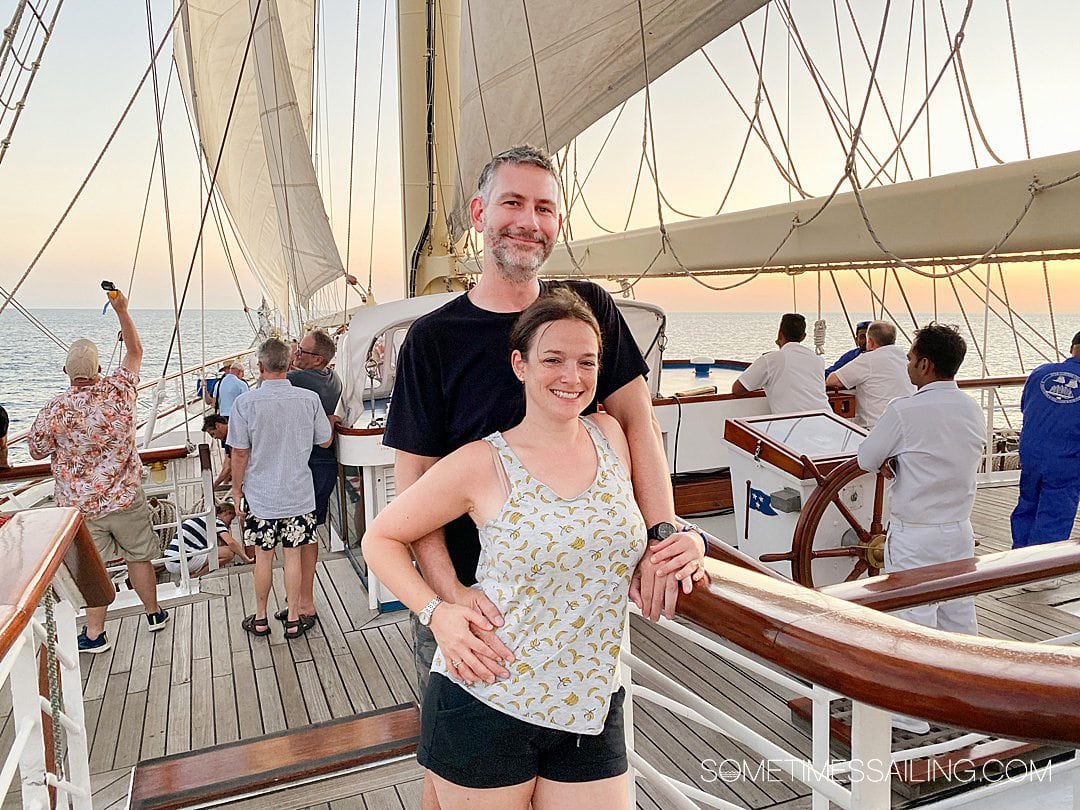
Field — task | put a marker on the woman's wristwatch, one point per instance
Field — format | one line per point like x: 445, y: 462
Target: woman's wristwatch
x: 424, y: 616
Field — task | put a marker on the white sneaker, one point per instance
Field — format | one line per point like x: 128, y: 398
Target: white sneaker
x: 1044, y: 585
x: 915, y: 726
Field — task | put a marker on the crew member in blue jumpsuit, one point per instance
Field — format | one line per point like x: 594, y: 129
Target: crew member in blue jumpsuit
x: 851, y: 354
x: 1049, y: 453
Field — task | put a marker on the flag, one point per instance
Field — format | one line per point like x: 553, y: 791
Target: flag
x: 761, y: 502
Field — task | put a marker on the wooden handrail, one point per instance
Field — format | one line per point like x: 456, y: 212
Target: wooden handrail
x: 952, y: 580
x: 33, y: 545
x: 44, y: 468
x: 1014, y: 689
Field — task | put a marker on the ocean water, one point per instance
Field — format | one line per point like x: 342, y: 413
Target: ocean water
x: 31, y: 364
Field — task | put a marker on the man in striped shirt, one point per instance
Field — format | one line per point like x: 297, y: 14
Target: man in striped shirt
x: 193, y: 534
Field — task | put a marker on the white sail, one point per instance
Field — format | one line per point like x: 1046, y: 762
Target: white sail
x: 265, y: 176
x: 546, y: 71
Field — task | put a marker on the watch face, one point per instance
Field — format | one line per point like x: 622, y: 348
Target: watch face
x: 661, y: 531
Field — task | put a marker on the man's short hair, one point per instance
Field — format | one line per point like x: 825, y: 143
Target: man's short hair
x: 82, y: 361
x: 1076, y: 340
x: 238, y: 364
x: 941, y: 344
x: 862, y: 325
x: 274, y: 355
x: 522, y: 155
x: 793, y: 327
x: 212, y: 421
x: 225, y: 506
x: 882, y: 333
x: 324, y: 345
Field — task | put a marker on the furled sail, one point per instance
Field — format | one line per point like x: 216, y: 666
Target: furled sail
x: 543, y: 72
x: 265, y: 177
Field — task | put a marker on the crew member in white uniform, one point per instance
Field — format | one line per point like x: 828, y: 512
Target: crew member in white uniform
x: 793, y: 378
x: 932, y: 442
x: 878, y: 376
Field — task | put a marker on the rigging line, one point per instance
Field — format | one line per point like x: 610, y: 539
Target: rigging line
x: 6, y: 142
x: 8, y: 49
x: 772, y: 110
x: 352, y: 149
x: 826, y: 93
x: 925, y: 106
x: 1050, y: 306
x: 903, y: 294
x: 536, y: 75
x: 926, y: 95
x: 959, y: 87
x: 874, y: 297
x: 581, y: 196
x: 1012, y: 323
x: 903, y: 89
x: 217, y: 167
x: 843, y: 306
x: 97, y: 162
x: 649, y: 141
x: 1019, y: 85
x: 971, y: 288
x: 580, y: 186
x: 873, y: 75
x: 840, y: 54
x: 969, y: 99
x: 27, y: 39
x: 479, y: 84
x: 35, y: 321
x: 378, y: 138
x: 165, y: 203
x: 454, y: 140
x: 756, y: 127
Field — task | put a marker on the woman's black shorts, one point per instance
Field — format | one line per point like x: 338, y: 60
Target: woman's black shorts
x: 473, y: 745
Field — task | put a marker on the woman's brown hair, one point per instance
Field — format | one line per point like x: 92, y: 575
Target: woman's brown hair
x: 556, y: 304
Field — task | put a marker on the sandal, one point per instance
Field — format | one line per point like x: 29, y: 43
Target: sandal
x: 257, y: 627
x: 308, y: 618
x: 298, y: 628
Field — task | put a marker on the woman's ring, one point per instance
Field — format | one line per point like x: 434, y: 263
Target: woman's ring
x: 455, y: 664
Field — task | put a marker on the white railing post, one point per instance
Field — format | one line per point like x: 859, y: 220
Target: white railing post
x: 820, y: 740
x: 871, y: 756
x: 78, y: 746
x: 26, y: 713
x: 628, y: 710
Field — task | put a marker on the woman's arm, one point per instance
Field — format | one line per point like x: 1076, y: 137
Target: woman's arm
x: 448, y: 490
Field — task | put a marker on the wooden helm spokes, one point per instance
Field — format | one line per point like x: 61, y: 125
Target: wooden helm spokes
x: 868, y: 554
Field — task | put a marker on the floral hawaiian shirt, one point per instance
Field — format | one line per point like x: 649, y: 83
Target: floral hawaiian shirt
x: 90, y: 433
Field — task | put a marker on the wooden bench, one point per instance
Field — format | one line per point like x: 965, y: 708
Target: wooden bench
x: 275, y: 760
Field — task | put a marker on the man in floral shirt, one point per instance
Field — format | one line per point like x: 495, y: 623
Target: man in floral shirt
x: 89, y: 430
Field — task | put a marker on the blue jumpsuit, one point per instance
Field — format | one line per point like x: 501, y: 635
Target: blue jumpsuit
x: 1049, y: 455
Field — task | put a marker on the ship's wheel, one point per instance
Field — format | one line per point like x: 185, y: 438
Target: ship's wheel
x: 868, y: 553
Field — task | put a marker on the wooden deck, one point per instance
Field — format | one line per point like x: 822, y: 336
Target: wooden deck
x: 203, y: 681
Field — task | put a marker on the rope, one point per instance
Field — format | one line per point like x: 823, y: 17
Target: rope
x: 819, y: 336
x: 1012, y: 324
x: 903, y: 294
x: 536, y: 75
x: 56, y: 699
x: 378, y: 138
x: 843, y: 306
x: 35, y: 321
x: 21, y: 104
x: 97, y: 162
x: 352, y: 151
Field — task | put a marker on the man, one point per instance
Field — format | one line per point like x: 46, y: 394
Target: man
x: 1049, y: 455
x: 851, y: 354
x: 878, y: 375
x: 89, y: 430
x: 3, y: 438
x: 196, y: 539
x: 311, y: 358
x: 231, y: 386
x: 272, y: 430
x: 931, y: 443
x: 792, y: 377
x: 455, y: 384
x: 216, y: 426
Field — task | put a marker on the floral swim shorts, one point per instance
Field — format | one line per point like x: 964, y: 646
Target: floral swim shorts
x: 291, y: 532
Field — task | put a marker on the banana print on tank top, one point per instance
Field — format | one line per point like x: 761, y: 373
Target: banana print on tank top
x: 559, y: 571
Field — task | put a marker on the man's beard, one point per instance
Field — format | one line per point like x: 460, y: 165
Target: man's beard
x: 514, y: 263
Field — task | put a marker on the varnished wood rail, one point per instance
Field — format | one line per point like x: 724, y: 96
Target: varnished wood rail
x: 275, y: 760
x: 1005, y: 688
x: 44, y: 469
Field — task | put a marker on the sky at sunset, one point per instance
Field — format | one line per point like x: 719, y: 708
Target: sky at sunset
x: 100, y: 49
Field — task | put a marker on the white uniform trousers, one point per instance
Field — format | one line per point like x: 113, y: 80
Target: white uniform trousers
x: 913, y: 545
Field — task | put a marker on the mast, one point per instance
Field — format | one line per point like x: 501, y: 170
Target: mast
x: 428, y: 45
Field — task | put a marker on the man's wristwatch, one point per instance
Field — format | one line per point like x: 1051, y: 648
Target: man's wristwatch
x: 424, y: 615
x: 661, y: 531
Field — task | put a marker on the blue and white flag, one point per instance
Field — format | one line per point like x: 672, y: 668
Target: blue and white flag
x: 761, y: 502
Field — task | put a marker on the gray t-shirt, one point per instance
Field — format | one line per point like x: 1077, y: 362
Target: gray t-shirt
x: 326, y: 384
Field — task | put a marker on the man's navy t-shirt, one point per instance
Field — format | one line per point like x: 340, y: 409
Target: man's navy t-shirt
x: 455, y: 385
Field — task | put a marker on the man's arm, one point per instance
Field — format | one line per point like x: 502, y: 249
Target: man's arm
x: 133, y: 349
x: 631, y: 405
x: 239, y: 467
x: 833, y: 381
x: 226, y: 472
x: 738, y: 388
x: 41, y: 442
x: 882, y: 443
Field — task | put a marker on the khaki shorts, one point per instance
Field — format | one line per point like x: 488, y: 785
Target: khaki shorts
x: 128, y: 533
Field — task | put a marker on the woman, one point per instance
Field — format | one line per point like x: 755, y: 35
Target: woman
x: 560, y: 538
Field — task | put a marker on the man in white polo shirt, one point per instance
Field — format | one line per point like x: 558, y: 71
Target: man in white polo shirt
x: 793, y: 378
x: 931, y: 444
x: 879, y: 375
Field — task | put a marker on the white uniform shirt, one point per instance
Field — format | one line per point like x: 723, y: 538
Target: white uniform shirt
x: 936, y: 436
x: 878, y: 378
x: 793, y: 379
